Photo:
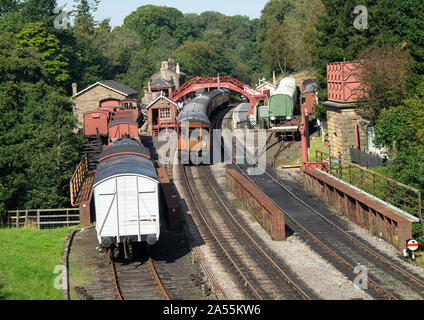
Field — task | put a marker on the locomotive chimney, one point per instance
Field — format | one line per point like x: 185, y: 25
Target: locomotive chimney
x: 74, y: 89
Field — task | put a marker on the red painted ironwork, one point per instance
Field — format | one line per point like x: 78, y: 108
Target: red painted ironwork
x: 226, y: 82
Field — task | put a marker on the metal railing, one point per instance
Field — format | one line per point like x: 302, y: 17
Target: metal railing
x: 394, y: 192
x: 42, y: 218
x: 78, y: 178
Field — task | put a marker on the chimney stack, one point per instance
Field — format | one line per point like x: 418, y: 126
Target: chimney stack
x: 74, y: 89
x: 178, y: 68
x: 148, y: 87
x: 274, y: 80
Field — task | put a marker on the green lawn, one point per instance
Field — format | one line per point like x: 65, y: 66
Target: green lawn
x: 28, y: 258
x: 316, y: 144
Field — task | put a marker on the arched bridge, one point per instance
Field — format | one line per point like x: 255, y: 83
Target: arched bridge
x: 218, y: 82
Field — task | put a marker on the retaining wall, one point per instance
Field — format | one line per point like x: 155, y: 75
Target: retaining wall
x: 271, y: 218
x: 380, y: 218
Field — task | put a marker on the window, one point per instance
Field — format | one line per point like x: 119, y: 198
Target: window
x: 303, y: 100
x: 165, y: 113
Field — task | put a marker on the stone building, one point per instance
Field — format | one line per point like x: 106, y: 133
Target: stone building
x: 166, y: 80
x: 89, y: 98
x: 346, y: 129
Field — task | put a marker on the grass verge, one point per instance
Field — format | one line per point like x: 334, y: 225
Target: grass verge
x: 28, y: 258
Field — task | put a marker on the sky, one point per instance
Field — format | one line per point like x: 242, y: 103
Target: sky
x: 117, y: 10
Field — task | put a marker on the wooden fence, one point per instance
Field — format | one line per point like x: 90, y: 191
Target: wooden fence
x: 78, y: 178
x: 42, y: 218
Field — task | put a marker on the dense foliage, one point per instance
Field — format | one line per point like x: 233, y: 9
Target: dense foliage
x: 38, y: 63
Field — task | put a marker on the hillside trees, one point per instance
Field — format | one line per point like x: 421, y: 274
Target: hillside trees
x: 198, y: 58
x: 150, y: 21
x: 383, y: 73
x: 37, y: 35
x: 38, y: 149
x: 390, y: 23
x: 285, y: 33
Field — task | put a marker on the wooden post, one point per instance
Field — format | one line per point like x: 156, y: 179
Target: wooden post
x: 17, y: 219
x: 26, y: 216
x: 38, y: 219
x: 67, y: 217
x: 373, y: 184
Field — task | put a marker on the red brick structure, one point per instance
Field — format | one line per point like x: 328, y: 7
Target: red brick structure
x: 308, y: 99
x: 343, y: 82
x: 162, y: 115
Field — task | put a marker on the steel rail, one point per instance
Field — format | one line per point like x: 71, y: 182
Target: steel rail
x: 159, y: 283
x: 372, y: 283
x: 356, y: 241
x: 378, y: 289
x: 215, y: 238
x: 152, y: 269
x: 114, y: 276
x: 254, y: 243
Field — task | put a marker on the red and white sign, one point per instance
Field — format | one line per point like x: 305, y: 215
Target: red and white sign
x: 412, y: 245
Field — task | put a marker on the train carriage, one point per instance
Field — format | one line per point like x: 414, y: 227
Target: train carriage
x: 96, y: 123
x: 283, y: 101
x: 126, y: 195
x: 193, y: 124
x: 123, y: 127
x: 109, y: 104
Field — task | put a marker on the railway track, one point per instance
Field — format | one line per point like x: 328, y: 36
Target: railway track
x: 136, y: 280
x: 263, y: 278
x: 388, y: 280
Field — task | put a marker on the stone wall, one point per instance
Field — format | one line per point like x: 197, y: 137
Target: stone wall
x: 89, y: 101
x: 341, y: 131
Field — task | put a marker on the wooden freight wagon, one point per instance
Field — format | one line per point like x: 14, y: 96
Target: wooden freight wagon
x: 109, y: 104
x: 96, y: 122
x: 121, y: 128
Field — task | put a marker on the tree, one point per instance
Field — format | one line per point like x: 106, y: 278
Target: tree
x: 276, y: 50
x: 151, y: 21
x: 38, y: 150
x: 383, y: 72
x: 273, y: 13
x: 15, y: 14
x: 139, y: 71
x: 36, y: 35
x: 198, y: 58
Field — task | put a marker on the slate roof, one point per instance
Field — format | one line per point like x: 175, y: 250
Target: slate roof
x: 119, y: 87
x: 160, y: 83
x: 112, y: 85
